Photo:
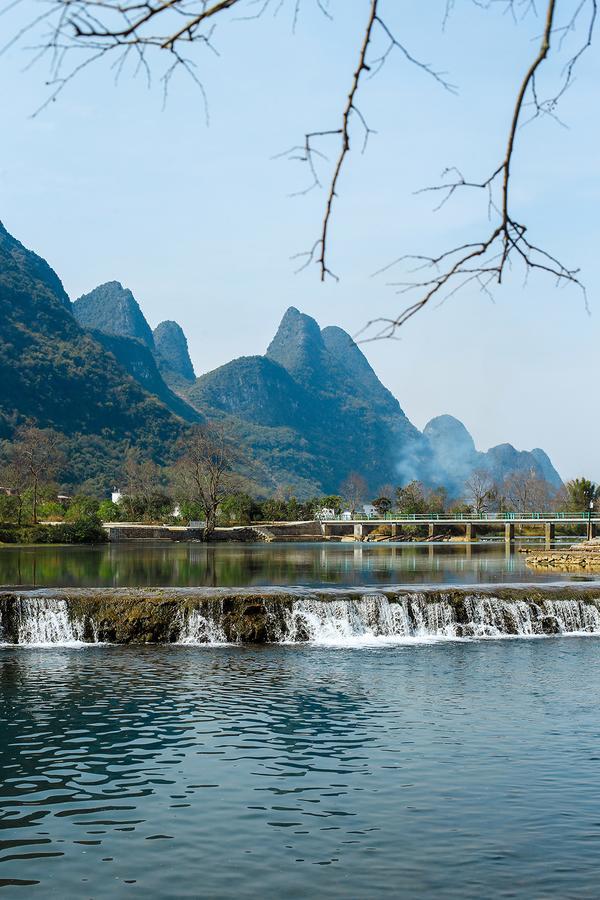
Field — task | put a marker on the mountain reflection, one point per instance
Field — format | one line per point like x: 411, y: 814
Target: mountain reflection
x: 237, y: 565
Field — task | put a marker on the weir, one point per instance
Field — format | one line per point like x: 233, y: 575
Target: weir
x: 334, y: 616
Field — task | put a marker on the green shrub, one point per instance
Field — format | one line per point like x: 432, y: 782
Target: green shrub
x: 82, y: 531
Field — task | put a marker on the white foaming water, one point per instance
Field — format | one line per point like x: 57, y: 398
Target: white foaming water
x: 203, y: 627
x: 373, y: 619
x: 367, y: 620
x: 573, y: 616
x: 45, y: 621
x: 347, y: 621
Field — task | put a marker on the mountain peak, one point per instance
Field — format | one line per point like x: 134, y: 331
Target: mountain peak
x: 172, y: 352
x: 113, y: 309
x: 298, y: 345
x: 20, y: 266
x: 447, y: 429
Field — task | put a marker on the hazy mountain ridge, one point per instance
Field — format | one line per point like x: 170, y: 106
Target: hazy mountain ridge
x: 319, y: 385
x: 455, y: 456
x: 343, y: 419
x: 309, y: 412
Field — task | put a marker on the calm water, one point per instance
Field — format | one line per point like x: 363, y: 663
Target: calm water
x: 432, y: 770
x: 237, y: 565
x: 458, y: 770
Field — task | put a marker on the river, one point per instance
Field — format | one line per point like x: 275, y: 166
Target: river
x: 242, y: 565
x: 430, y: 766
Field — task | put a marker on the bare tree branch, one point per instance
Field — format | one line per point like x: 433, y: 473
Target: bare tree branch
x: 319, y: 251
x: 484, y: 262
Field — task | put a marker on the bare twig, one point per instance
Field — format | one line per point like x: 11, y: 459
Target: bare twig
x: 319, y: 251
x: 484, y: 262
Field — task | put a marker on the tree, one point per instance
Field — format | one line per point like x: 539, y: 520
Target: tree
x: 527, y: 492
x: 437, y: 500
x: 204, y: 472
x: 37, y: 456
x: 382, y: 505
x: 410, y: 499
x: 480, y: 489
x: 13, y: 476
x: 331, y: 501
x: 354, y: 490
x: 580, y: 493
x: 238, y: 508
x: 144, y: 495
x: 79, y: 33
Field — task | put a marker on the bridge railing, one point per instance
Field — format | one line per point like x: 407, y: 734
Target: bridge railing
x: 465, y: 517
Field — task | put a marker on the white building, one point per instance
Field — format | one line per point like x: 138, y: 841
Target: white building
x: 326, y: 513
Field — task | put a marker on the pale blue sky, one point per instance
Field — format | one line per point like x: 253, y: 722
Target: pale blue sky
x: 198, y: 221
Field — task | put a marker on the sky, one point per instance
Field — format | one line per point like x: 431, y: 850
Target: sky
x: 199, y: 219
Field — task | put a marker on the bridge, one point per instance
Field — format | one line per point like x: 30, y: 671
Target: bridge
x: 362, y: 525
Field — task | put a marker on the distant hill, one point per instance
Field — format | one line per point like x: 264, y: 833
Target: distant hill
x: 307, y: 414
x: 454, y: 456
x: 139, y: 362
x: 58, y: 374
x: 313, y: 411
x: 319, y: 410
x: 172, y: 355
x: 113, y: 309
x: 114, y: 317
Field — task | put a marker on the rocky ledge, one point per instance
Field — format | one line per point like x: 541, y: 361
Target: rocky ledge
x: 219, y: 616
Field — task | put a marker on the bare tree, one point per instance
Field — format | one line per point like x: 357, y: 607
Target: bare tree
x: 480, y: 489
x: 204, y: 473
x: 36, y: 458
x: 354, y: 490
x: 82, y: 32
x: 527, y: 492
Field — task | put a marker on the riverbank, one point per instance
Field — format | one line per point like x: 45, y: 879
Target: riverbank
x: 294, y: 615
x: 584, y: 555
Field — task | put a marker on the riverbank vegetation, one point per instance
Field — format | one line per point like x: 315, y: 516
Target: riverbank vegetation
x: 204, y: 485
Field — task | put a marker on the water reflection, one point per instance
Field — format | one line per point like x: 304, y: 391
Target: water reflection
x: 263, y: 772
x: 236, y: 565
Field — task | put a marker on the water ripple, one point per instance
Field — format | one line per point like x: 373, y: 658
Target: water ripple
x: 453, y: 770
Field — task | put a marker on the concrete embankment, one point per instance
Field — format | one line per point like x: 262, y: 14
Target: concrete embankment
x: 230, y: 616
x: 119, y: 532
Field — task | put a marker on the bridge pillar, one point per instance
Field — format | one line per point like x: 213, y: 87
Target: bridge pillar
x: 509, y: 533
x: 394, y: 529
x: 591, y: 530
x: 549, y: 533
x: 470, y: 531
x: 431, y: 532
x: 325, y: 529
x: 358, y: 531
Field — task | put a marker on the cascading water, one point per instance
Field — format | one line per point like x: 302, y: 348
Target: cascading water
x: 574, y: 617
x: 43, y: 621
x: 203, y: 626
x: 377, y: 618
x: 290, y: 617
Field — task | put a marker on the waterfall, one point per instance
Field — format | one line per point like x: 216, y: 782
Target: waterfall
x: 293, y: 616
x: 360, y: 620
x: 41, y: 621
x: 203, y: 625
x: 379, y: 619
